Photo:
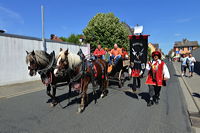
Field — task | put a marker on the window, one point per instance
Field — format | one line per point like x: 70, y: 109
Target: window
x: 190, y: 48
x: 181, y: 48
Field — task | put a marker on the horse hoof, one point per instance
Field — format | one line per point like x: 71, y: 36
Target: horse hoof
x: 79, y: 110
x: 52, y: 105
x: 102, y: 95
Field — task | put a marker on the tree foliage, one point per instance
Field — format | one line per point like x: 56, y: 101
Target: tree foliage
x: 107, y: 30
x: 72, y: 38
x: 149, y: 54
x: 63, y: 38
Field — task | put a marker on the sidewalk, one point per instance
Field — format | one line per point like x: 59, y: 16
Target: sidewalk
x: 192, y: 83
x: 13, y: 90
x: 191, y: 91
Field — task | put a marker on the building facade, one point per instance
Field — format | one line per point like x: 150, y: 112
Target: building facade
x: 184, y: 47
x: 153, y: 47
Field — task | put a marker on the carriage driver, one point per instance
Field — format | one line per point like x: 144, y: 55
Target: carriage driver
x: 99, y: 52
x: 115, y: 54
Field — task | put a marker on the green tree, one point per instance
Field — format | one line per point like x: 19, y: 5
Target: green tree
x: 149, y: 54
x: 107, y: 30
x: 63, y: 38
x: 72, y: 38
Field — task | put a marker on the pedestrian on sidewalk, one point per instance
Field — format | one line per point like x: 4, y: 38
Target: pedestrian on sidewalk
x: 191, y: 60
x: 184, y: 60
x: 158, y: 73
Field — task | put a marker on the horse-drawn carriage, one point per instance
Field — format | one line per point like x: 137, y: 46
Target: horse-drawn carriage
x: 117, y: 74
x: 72, y: 69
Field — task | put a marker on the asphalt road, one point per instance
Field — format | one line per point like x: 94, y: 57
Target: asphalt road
x: 120, y: 112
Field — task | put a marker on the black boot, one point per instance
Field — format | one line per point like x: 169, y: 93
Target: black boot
x: 133, y: 89
x: 156, y: 99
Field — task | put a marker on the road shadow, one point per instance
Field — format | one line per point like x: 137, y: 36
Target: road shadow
x: 177, y: 75
x: 131, y: 94
x: 113, y: 83
x: 196, y: 95
x: 145, y: 96
x: 94, y: 97
x: 91, y: 98
x: 130, y: 85
x: 64, y: 97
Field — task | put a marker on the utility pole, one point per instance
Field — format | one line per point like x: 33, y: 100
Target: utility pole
x: 43, y: 36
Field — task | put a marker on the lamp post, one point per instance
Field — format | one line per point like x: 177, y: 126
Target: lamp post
x: 43, y: 38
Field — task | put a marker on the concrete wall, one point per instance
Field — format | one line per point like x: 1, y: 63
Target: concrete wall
x: 196, y: 54
x: 13, y: 68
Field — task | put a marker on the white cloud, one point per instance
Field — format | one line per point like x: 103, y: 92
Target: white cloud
x: 64, y: 27
x: 177, y: 34
x: 183, y: 20
x: 8, y: 17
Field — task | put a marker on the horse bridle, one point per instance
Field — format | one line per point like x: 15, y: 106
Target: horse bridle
x: 33, y: 64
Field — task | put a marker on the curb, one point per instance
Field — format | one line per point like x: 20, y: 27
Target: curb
x: 188, y: 88
x: 193, y: 116
x: 191, y: 93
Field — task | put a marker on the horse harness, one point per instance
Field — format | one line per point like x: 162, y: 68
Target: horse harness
x: 46, y: 73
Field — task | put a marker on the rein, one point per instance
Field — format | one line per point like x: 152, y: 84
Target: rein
x: 43, y: 58
x: 49, y: 66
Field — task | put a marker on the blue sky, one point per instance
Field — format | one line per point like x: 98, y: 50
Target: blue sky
x: 165, y: 20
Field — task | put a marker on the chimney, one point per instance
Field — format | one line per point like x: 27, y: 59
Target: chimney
x: 2, y: 31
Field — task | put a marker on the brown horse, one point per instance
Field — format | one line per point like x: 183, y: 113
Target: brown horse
x: 86, y: 72
x: 96, y: 73
x: 43, y: 63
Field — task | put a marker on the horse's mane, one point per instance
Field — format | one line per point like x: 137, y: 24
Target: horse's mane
x: 73, y: 59
x: 42, y: 58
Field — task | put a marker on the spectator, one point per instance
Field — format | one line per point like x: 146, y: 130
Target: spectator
x: 183, y: 60
x: 191, y: 61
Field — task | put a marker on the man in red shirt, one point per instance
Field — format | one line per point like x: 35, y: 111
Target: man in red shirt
x: 99, y: 52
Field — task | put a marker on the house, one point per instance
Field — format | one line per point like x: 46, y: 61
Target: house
x: 185, y: 46
x: 55, y: 38
x: 153, y: 47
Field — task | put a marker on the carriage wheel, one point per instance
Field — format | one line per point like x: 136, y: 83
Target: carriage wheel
x: 121, y: 78
x: 129, y: 73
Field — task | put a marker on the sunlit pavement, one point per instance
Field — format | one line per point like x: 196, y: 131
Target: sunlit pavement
x: 120, y: 112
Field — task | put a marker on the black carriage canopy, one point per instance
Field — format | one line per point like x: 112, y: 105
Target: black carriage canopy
x: 138, y: 51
